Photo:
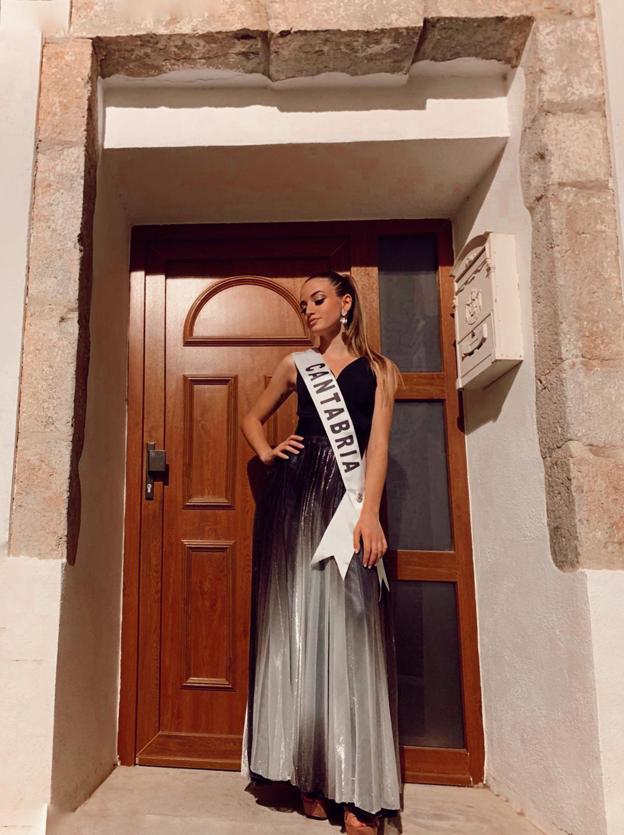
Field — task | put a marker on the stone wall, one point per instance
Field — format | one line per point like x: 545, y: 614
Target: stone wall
x: 46, y: 508
x: 577, y: 294
x: 577, y: 301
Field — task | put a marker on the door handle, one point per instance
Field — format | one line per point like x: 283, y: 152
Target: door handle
x: 156, y: 467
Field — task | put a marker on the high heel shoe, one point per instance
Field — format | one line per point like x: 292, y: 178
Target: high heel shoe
x: 355, y: 826
x: 314, y: 807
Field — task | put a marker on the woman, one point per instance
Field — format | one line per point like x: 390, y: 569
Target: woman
x: 321, y: 709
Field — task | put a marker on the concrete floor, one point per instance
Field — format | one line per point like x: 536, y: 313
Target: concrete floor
x: 179, y: 801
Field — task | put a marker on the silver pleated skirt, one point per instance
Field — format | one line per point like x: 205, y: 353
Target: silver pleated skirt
x: 322, y: 702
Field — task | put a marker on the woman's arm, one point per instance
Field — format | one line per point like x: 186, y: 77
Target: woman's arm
x: 282, y: 384
x: 369, y: 527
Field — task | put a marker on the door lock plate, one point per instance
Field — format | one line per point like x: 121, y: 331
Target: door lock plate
x: 156, y: 467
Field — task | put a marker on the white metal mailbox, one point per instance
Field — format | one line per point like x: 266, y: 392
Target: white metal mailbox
x: 488, y: 332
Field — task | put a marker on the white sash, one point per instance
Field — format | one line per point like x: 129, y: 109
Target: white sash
x: 337, y: 541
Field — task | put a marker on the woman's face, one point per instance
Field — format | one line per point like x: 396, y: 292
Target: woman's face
x: 320, y: 305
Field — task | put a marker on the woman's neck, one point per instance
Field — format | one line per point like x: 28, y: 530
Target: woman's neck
x: 334, y: 345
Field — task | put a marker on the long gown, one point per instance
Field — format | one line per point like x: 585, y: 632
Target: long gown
x: 322, y: 701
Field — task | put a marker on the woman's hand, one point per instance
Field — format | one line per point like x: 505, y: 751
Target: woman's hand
x: 369, y: 530
x: 292, y: 444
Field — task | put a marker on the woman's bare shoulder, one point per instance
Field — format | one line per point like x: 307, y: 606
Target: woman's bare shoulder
x: 286, y: 369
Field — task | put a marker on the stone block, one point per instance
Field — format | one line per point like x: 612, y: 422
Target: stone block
x: 107, y: 18
x: 58, y: 216
x: 152, y: 54
x: 68, y: 69
x: 568, y: 52
x: 564, y: 149
x: 509, y: 8
x: 42, y: 474
x: 500, y: 38
x: 144, y: 38
x: 56, y: 349
x: 349, y: 15
x: 351, y: 37
x: 577, y: 300
x: 581, y: 402
x: 598, y: 484
x: 577, y: 149
x: 49, y: 364
x: 584, y: 510
x: 586, y: 272
x: 561, y: 511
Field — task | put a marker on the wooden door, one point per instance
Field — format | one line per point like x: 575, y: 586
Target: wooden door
x: 213, y: 309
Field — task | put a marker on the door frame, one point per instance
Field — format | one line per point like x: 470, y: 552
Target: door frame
x: 148, y: 243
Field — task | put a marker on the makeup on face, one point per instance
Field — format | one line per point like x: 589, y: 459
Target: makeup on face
x: 313, y: 308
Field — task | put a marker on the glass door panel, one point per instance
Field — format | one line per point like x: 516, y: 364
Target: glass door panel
x: 409, y: 305
x: 417, y: 482
x: 428, y: 527
x: 430, y: 705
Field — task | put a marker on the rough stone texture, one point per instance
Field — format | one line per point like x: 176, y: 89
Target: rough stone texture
x: 153, y: 54
x: 576, y: 279
x: 565, y: 149
x: 584, y: 509
x: 57, y: 260
x: 578, y: 314
x: 281, y: 39
x: 347, y: 16
x: 489, y: 38
x: 353, y: 37
x: 55, y: 355
x: 144, y: 38
x: 571, y: 77
x: 576, y: 149
x: 294, y: 54
x: 562, y: 71
x: 598, y: 486
x: 52, y: 335
x: 580, y: 403
x: 40, y: 510
x: 509, y: 8
x: 107, y: 18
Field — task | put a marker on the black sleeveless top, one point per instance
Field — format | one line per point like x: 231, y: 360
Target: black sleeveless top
x: 358, y: 383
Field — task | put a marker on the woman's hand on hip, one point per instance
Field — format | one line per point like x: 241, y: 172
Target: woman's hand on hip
x: 291, y: 444
x: 368, y: 530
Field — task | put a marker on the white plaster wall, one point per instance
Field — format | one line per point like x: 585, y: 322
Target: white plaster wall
x: 51, y: 17
x: 87, y: 697
x: 606, y: 593
x: 29, y: 588
x: 535, y: 625
x: 29, y: 618
x: 278, y: 151
x: 20, y: 62
x: 419, y: 107
x: 313, y: 181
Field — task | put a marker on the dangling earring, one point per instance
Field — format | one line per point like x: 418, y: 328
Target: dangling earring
x: 343, y: 320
